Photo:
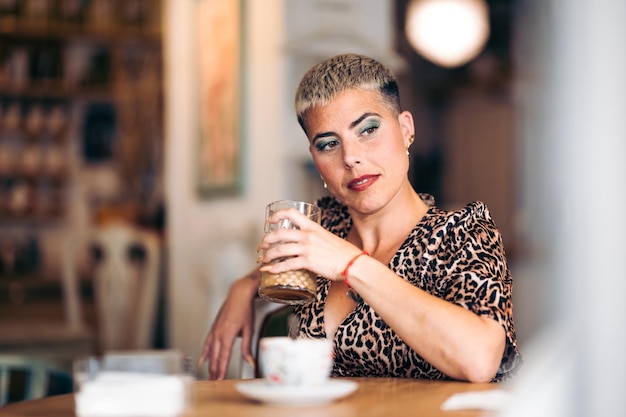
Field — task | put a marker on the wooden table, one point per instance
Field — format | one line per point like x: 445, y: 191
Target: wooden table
x: 374, y: 397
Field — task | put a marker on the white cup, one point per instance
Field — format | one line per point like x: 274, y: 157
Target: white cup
x: 295, y: 362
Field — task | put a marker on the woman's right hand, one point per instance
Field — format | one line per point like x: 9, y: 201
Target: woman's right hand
x: 235, y: 318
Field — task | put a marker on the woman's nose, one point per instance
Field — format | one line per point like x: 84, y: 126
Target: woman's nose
x: 351, y: 154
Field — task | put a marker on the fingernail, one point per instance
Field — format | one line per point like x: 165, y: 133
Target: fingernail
x: 250, y: 360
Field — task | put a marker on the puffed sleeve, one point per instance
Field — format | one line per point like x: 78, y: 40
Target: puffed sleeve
x: 476, y: 276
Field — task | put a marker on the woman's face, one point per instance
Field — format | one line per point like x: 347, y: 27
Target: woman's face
x: 359, y: 147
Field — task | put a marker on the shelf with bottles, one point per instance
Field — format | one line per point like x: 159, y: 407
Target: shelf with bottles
x: 74, y: 48
x: 34, y: 158
x: 69, y: 18
x: 102, y: 82
x: 33, y: 201
x: 75, y: 70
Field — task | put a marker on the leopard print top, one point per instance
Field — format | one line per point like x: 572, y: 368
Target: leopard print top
x: 455, y: 255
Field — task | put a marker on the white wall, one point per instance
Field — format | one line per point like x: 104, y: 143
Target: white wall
x: 212, y: 242
x: 207, y: 239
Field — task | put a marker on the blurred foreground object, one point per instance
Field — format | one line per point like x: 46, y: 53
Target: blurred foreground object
x: 146, y: 383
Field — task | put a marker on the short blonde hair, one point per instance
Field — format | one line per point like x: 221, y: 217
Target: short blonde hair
x: 325, y: 80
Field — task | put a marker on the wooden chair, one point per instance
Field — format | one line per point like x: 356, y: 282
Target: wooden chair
x: 126, y: 274
x: 276, y: 323
x: 28, y: 378
x: 123, y: 263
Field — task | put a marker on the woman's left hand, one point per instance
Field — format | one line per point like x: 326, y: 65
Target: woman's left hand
x: 309, y: 247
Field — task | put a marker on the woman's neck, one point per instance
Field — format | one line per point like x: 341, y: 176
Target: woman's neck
x: 382, y: 233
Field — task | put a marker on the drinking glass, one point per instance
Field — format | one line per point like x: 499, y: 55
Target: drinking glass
x: 290, y: 287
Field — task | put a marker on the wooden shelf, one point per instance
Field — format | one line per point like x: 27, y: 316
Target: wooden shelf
x: 120, y: 34
x: 75, y: 96
x: 102, y: 20
x: 58, y: 91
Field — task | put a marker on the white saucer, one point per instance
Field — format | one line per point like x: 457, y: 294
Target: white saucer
x: 260, y: 390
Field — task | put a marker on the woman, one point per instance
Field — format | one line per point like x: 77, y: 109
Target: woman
x: 408, y: 290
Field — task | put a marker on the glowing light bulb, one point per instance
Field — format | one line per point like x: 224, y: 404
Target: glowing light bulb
x: 448, y: 32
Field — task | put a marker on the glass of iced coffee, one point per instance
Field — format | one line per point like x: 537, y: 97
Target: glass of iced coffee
x: 290, y: 287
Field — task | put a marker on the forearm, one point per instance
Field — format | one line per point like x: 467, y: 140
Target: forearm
x: 235, y: 318
x: 248, y: 284
x: 455, y: 340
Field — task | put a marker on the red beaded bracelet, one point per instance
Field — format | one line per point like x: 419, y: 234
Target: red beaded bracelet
x: 344, y: 274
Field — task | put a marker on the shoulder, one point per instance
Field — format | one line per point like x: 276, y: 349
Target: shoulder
x: 476, y: 218
x: 457, y: 227
x: 473, y: 214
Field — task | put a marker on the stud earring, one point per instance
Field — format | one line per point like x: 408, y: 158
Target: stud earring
x: 407, y: 152
x: 324, y: 181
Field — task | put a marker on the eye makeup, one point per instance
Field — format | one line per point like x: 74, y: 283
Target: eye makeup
x: 369, y: 126
x: 366, y: 125
x: 325, y: 143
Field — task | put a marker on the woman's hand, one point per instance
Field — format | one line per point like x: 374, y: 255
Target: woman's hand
x: 235, y: 318
x: 310, y: 247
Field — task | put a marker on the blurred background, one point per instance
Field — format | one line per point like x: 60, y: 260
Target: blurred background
x: 140, y: 141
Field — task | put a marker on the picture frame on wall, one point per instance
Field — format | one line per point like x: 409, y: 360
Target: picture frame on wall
x: 218, y: 57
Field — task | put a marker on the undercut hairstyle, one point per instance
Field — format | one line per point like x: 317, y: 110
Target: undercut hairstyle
x: 325, y: 80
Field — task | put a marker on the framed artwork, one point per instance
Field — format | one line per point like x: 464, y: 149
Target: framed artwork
x: 218, y: 55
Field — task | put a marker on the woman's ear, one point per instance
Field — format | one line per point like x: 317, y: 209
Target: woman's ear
x: 405, y: 119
